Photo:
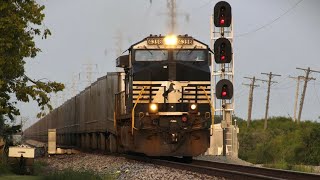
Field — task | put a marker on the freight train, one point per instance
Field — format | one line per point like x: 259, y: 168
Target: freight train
x: 159, y: 105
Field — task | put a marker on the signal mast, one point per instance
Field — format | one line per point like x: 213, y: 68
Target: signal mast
x: 222, y: 76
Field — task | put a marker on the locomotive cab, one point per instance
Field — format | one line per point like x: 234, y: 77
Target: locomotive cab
x: 165, y: 107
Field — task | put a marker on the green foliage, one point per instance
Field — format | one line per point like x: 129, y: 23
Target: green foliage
x: 16, y: 177
x: 39, y: 167
x: 20, y: 23
x: 40, y: 170
x: 4, y: 169
x: 303, y: 168
x: 284, y: 144
x: 6, y: 139
x: 75, y: 175
x: 279, y: 165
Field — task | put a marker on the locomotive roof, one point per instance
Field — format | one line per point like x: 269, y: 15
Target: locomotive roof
x: 162, y: 36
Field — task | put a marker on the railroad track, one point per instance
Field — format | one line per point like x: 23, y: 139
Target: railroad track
x: 229, y: 171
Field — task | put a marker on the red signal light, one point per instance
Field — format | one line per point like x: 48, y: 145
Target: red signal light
x: 184, y: 119
x: 221, y: 21
x: 224, y: 89
x: 222, y: 50
x: 222, y: 14
x: 224, y: 93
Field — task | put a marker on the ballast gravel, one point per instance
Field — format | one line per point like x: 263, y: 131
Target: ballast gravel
x: 118, y: 167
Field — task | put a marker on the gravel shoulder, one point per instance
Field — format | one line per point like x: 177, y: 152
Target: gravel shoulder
x: 120, y: 167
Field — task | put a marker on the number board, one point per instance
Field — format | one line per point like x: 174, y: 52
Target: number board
x: 160, y: 41
x: 155, y: 41
x: 185, y: 41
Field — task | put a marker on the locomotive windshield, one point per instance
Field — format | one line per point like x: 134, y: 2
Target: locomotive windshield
x: 189, y: 55
x: 151, y: 55
x: 177, y: 54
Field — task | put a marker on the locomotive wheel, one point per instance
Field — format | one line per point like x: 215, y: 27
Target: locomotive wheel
x: 108, y: 144
x: 113, y: 143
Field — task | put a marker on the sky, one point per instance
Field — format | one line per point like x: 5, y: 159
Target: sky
x: 270, y: 36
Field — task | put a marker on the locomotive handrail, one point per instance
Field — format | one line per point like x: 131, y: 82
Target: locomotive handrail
x: 135, y: 104
x: 116, y: 109
x: 212, y: 108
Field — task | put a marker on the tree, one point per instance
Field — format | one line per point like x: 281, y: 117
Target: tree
x: 6, y: 131
x: 20, y: 23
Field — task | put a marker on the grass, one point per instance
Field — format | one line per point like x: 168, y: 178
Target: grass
x: 16, y: 177
x: 40, y: 172
x: 60, y: 175
x: 285, y: 166
x: 279, y: 165
x: 303, y: 168
x: 4, y: 169
x: 74, y: 175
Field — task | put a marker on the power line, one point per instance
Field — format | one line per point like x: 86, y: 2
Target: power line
x: 282, y: 109
x: 206, y: 4
x: 271, y: 22
x: 282, y: 84
x: 238, y: 95
x: 283, y: 81
x: 284, y: 87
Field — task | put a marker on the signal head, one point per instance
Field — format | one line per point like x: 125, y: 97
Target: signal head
x: 222, y: 51
x: 224, y: 89
x: 222, y: 14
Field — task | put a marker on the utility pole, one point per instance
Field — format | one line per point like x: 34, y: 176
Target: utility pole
x: 268, y: 96
x: 296, y: 97
x: 119, y: 46
x: 171, y: 4
x: 172, y: 15
x: 299, y: 78
x: 90, y: 72
x: 74, y: 85
x: 306, y: 79
x: 250, y: 100
x: 23, y: 121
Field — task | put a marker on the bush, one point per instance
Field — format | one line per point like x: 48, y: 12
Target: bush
x: 283, y: 143
x: 4, y: 169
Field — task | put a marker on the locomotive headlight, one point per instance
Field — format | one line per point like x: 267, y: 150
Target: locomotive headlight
x: 171, y: 40
x: 153, y: 108
x: 193, y: 107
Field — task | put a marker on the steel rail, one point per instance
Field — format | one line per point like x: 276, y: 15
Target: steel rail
x: 270, y: 172
x: 229, y: 171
